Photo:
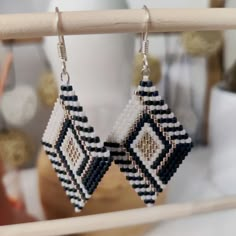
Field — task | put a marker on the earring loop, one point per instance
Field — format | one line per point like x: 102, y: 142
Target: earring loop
x: 57, y: 20
x: 58, y: 26
x: 145, y: 43
x: 147, y: 22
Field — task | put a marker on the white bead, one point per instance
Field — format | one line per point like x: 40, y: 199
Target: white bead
x: 189, y: 140
x: 164, y: 116
x: 171, y: 115
x: 177, y: 124
x: 152, y: 89
x: 164, y: 107
x: 182, y: 132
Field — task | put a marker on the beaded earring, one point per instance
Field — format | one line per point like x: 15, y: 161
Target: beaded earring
x: 147, y: 141
x: 76, y: 153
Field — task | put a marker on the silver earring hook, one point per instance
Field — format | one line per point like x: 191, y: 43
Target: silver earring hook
x: 145, y: 43
x: 61, y: 48
x: 147, y: 22
x: 57, y: 22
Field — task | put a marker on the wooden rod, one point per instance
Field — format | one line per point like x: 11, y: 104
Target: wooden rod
x: 117, y: 219
x: 13, y: 26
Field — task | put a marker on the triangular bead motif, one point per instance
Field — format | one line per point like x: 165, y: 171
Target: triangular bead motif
x: 76, y: 153
x: 148, y: 143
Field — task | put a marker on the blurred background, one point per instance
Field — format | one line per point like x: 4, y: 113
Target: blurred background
x: 195, y: 73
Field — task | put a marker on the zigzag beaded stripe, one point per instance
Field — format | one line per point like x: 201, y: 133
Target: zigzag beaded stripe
x: 148, y: 143
x: 76, y: 153
x: 142, y: 186
x: 53, y: 128
x: 65, y: 180
x: 171, y: 127
x: 100, y: 159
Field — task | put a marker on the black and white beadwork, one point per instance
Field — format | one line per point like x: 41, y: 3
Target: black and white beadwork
x: 76, y: 153
x: 148, y: 143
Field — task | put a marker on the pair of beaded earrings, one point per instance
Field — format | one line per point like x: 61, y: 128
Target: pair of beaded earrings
x: 147, y: 141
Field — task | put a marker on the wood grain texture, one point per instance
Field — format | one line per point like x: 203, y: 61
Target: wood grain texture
x: 112, y: 21
x: 118, y: 219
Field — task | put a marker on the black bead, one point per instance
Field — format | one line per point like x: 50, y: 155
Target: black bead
x: 155, y: 93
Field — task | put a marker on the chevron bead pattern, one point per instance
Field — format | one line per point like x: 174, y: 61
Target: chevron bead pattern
x: 148, y: 143
x: 76, y: 153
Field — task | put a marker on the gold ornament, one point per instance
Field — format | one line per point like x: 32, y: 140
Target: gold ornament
x: 202, y: 43
x: 16, y: 148
x: 155, y: 67
x: 47, y: 89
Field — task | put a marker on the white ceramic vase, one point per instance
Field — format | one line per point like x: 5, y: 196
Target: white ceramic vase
x: 100, y: 66
x: 222, y: 136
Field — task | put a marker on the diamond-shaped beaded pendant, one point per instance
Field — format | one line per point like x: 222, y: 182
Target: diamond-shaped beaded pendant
x: 76, y: 153
x: 148, y: 143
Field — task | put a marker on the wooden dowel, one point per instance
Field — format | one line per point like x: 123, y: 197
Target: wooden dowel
x: 117, y: 219
x: 112, y: 21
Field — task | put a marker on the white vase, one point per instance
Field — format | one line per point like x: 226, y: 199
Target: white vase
x: 100, y: 66
x: 222, y: 137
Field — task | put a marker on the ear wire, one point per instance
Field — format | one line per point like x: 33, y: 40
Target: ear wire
x: 145, y: 43
x: 61, y: 48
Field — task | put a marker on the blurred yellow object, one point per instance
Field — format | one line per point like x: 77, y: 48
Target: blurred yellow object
x: 155, y: 67
x: 15, y: 148
x: 47, y: 89
x: 202, y: 43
